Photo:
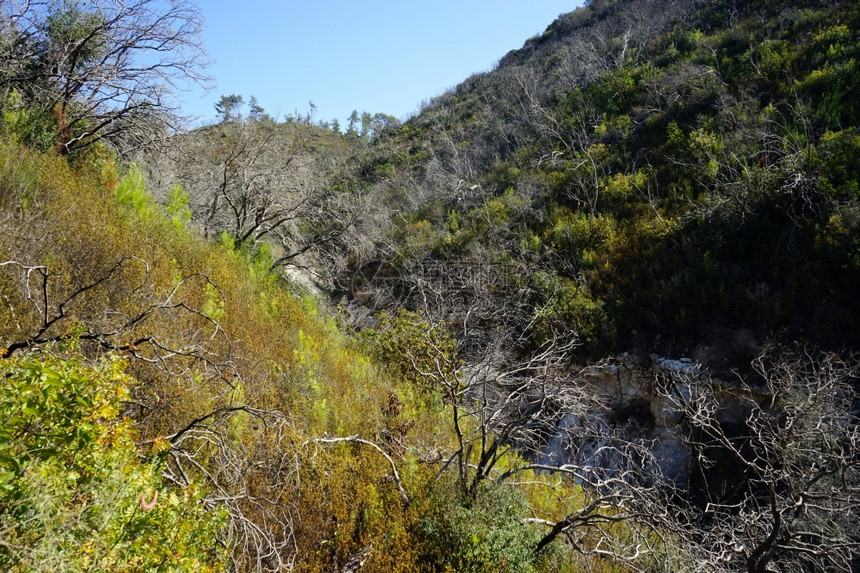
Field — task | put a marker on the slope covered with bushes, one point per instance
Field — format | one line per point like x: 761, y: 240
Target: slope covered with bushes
x: 227, y: 377
x: 669, y: 176
x: 170, y: 403
x: 679, y: 175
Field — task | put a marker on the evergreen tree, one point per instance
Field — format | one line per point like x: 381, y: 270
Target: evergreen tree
x: 230, y: 107
x: 366, y: 120
x: 351, y: 130
x: 257, y: 113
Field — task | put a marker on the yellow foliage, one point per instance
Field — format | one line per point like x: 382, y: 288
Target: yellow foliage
x: 203, y: 331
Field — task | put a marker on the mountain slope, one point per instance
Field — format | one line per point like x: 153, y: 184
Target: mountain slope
x: 667, y: 177
x: 684, y: 173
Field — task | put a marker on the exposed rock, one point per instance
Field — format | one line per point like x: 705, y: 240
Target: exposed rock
x: 633, y: 409
x: 304, y: 280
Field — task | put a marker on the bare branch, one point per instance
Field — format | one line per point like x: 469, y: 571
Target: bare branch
x: 356, y: 440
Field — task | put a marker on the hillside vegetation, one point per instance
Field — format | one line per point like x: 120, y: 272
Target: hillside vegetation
x: 268, y: 346
x: 673, y: 176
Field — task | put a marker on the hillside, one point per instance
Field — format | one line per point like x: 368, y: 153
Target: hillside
x: 593, y: 310
x: 683, y: 174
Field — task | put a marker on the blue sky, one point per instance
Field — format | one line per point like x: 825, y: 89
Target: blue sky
x: 369, y: 55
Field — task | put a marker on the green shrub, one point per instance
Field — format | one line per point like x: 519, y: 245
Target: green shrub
x: 23, y: 124
x: 75, y: 491
x: 489, y: 536
x: 414, y: 349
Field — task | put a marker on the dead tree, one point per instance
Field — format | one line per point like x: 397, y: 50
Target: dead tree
x: 103, y: 70
x: 791, y: 503
x: 260, y: 181
x: 506, y: 397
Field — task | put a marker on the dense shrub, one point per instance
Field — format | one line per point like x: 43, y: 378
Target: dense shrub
x: 76, y: 492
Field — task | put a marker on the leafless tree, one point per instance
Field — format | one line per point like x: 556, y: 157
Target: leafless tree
x: 260, y: 181
x: 65, y: 312
x: 788, y: 496
x: 246, y: 178
x: 508, y: 397
x: 104, y: 69
x: 250, y: 462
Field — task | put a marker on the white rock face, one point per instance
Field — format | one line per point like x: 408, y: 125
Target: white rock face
x: 633, y: 410
x: 682, y: 365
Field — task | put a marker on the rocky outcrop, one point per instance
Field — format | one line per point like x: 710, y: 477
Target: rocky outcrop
x: 636, y: 404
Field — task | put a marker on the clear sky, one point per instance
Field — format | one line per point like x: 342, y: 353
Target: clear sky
x: 368, y: 55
